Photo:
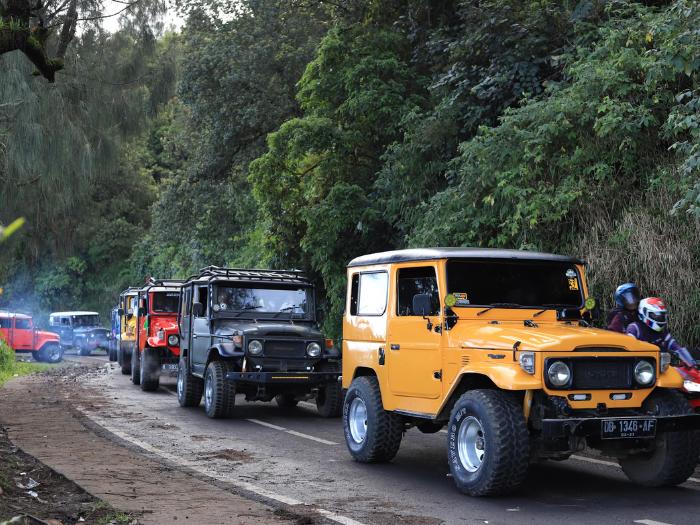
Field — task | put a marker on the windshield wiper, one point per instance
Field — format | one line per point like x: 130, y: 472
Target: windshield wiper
x: 549, y: 307
x: 500, y: 305
x: 289, y: 309
x: 246, y: 308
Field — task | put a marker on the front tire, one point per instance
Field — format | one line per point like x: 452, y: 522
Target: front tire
x: 50, y: 353
x: 124, y: 357
x: 136, y: 367
x: 487, y: 443
x: 84, y: 351
x: 372, y: 434
x: 219, y: 394
x: 189, y: 387
x: 150, y: 370
x: 675, y: 455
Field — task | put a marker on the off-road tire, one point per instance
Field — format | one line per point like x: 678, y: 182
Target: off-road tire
x: 125, y: 361
x: 505, y: 439
x: 136, y: 366
x: 112, y: 353
x: 329, y: 400
x: 189, y: 387
x: 675, y: 456
x: 286, y: 401
x: 150, y: 370
x: 84, y: 351
x: 49, y: 353
x: 223, y: 392
x: 384, y: 429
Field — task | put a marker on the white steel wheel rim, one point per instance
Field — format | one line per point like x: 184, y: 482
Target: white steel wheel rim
x: 357, y: 420
x: 471, y: 445
x: 180, y: 381
x: 208, y: 392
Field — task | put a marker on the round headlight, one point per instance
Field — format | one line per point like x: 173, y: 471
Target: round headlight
x: 313, y: 350
x: 255, y: 347
x: 559, y: 373
x: 173, y: 340
x: 644, y: 373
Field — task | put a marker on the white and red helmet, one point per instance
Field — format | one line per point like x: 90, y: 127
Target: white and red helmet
x: 653, y: 313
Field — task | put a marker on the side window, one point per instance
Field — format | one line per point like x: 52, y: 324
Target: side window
x: 414, y: 281
x: 354, y: 292
x: 23, y: 324
x: 203, y: 297
x: 185, y: 297
x: 372, y: 297
x: 65, y: 321
x: 5, y: 322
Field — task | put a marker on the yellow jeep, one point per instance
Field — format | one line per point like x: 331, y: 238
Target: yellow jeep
x: 128, y: 304
x: 496, y: 345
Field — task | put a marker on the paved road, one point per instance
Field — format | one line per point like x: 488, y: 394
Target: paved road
x: 297, y: 457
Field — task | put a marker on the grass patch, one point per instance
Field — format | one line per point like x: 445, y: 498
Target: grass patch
x: 10, y: 367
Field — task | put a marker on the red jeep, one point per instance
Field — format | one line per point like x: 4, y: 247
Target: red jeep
x: 18, y: 331
x: 158, y: 335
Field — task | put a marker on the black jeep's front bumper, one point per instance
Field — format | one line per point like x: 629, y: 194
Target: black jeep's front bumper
x: 288, y: 378
x: 590, y: 427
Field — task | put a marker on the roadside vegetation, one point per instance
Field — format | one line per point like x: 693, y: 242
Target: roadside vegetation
x: 302, y: 134
x: 10, y: 367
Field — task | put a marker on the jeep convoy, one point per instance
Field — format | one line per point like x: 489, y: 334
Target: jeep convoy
x: 18, y: 331
x: 496, y: 346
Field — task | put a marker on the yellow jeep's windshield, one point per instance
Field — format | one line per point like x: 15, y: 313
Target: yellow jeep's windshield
x: 514, y: 283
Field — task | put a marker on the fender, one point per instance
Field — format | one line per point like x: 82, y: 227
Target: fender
x: 227, y: 350
x: 154, y: 342
x: 671, y: 378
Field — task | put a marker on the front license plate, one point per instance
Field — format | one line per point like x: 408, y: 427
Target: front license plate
x: 638, y: 427
x: 169, y: 367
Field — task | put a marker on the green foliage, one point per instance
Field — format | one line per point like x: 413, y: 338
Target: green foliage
x: 10, y: 367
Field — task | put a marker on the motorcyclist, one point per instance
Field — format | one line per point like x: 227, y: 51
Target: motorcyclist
x: 652, y: 327
x: 625, y: 311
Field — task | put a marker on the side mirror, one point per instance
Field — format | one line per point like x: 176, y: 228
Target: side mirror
x: 422, y: 304
x: 120, y: 312
x: 197, y: 309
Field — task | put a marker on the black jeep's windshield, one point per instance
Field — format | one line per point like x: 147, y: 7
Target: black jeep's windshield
x: 296, y: 302
x: 166, y: 302
x: 513, y: 283
x: 85, y: 320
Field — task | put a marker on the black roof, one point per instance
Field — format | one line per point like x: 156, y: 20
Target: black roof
x: 216, y: 273
x: 429, y: 254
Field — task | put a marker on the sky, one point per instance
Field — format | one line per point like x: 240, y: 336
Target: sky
x: 112, y: 23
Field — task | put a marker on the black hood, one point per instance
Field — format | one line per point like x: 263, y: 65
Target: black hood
x: 267, y: 328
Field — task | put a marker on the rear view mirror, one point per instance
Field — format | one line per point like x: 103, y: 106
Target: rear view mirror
x: 197, y: 309
x: 422, y: 304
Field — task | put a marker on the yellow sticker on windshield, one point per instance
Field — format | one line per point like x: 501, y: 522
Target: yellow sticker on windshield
x: 573, y: 284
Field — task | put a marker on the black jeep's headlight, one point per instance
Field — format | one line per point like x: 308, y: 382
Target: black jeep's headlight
x: 255, y: 347
x: 173, y: 340
x: 313, y: 350
x: 644, y: 373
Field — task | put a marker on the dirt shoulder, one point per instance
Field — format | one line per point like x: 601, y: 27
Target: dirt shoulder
x: 38, y: 415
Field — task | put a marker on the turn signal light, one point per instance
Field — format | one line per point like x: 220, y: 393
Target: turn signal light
x: 329, y: 343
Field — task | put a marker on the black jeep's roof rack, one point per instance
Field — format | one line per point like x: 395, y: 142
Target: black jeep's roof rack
x: 257, y: 274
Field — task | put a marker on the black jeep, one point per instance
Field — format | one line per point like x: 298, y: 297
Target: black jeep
x: 254, y: 332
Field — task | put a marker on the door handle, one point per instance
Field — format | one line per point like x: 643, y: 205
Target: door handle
x: 395, y: 347
x: 194, y: 336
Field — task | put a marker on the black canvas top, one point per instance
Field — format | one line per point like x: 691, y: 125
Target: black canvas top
x: 429, y: 254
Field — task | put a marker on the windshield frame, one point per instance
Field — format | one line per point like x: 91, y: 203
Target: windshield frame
x: 309, y: 316
x: 152, y: 303
x: 576, y: 267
